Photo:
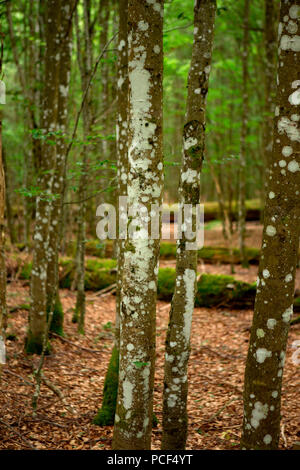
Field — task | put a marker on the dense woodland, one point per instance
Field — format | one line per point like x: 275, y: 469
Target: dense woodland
x: 138, y: 342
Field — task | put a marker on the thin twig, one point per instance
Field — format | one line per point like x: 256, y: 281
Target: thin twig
x: 219, y: 411
x: 18, y: 434
x: 283, y: 435
x: 57, y: 392
x: 74, y: 344
x: 19, y: 377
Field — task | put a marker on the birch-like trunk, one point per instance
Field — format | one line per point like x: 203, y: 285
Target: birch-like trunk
x: 106, y: 414
x: 175, y: 418
x: 276, y: 279
x: 244, y: 133
x: 37, y: 315
x: 133, y: 419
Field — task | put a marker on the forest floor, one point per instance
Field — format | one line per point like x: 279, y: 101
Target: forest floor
x: 218, y: 352
x: 77, y: 366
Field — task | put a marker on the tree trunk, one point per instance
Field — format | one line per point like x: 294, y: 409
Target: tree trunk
x: 244, y: 133
x: 276, y: 280
x: 2, y: 243
x: 106, y: 414
x: 133, y: 420
x: 53, y: 300
x: 9, y: 210
x: 37, y: 315
x: 271, y: 16
x: 85, y: 64
x: 178, y: 335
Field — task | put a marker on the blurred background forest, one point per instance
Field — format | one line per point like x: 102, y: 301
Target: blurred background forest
x: 23, y: 54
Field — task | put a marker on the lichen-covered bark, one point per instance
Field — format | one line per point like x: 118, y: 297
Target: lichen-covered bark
x: 37, y: 316
x: 178, y: 335
x: 133, y: 419
x: 276, y: 279
x: 106, y: 415
x: 244, y: 133
x: 53, y: 301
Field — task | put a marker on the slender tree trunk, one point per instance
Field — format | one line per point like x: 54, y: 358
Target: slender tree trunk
x: 53, y: 300
x: 38, y: 316
x: 270, y: 76
x: 244, y: 133
x: 9, y: 210
x: 2, y: 243
x: 271, y: 14
x: 276, y: 280
x: 175, y: 418
x: 85, y: 64
x: 106, y: 414
x: 133, y: 420
x: 28, y: 79
x: 225, y: 214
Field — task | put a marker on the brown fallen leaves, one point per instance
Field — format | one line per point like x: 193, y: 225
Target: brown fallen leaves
x: 77, y: 367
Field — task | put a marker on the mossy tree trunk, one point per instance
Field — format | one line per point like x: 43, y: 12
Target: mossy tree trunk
x: 244, y: 133
x: 133, y: 419
x: 53, y: 300
x: 276, y: 280
x: 106, y: 414
x: 37, y: 315
x: 178, y: 334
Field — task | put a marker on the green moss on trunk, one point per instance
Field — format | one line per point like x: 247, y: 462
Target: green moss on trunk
x: 35, y: 346
x: 106, y: 414
x: 57, y: 322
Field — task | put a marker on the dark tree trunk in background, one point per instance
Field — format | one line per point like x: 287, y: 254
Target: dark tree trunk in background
x: 2, y: 243
x: 106, y: 414
x: 84, y: 56
x: 65, y: 49
x: 271, y: 16
x: 244, y: 133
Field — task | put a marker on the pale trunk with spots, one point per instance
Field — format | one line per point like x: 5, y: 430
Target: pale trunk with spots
x: 175, y: 418
x: 53, y: 300
x: 133, y: 419
x: 37, y: 315
x: 106, y: 414
x: 277, y: 270
x: 244, y: 133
